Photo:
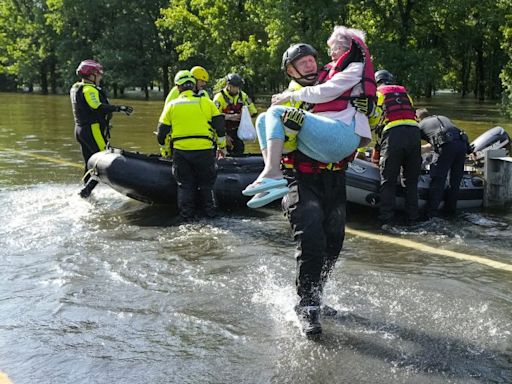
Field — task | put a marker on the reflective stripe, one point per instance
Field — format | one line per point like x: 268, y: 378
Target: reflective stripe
x: 98, y: 137
x: 173, y: 94
x: 396, y: 123
x: 185, y: 101
x: 92, y: 96
x: 189, y: 116
x: 174, y: 139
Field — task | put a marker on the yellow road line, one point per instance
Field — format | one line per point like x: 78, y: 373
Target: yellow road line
x: 428, y: 249
x: 376, y: 237
x: 4, y: 379
x: 45, y: 158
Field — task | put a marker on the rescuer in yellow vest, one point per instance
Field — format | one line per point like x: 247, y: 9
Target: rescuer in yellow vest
x: 197, y: 131
x: 202, y: 77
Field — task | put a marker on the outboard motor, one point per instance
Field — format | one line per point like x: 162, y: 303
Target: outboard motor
x: 494, y: 138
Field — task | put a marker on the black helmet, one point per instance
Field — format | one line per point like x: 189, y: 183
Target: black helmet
x: 384, y: 76
x: 296, y: 51
x: 235, y: 79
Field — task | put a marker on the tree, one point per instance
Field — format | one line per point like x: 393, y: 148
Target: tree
x: 28, y: 44
x: 506, y: 73
x: 428, y: 45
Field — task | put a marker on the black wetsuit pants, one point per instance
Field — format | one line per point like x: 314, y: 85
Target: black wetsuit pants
x: 88, y: 145
x: 400, y: 150
x: 316, y: 209
x: 195, y: 172
x: 451, y: 159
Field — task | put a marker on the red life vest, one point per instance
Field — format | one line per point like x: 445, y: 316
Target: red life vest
x: 358, y: 52
x: 397, y: 105
x: 232, y: 107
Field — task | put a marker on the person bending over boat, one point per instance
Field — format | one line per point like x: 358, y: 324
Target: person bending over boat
x: 197, y: 129
x: 92, y: 113
x: 202, y: 77
x: 452, y: 145
x: 318, y: 147
x: 230, y: 101
x: 395, y: 122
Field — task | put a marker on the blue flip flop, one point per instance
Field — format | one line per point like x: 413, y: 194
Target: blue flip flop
x: 262, y: 185
x: 266, y: 197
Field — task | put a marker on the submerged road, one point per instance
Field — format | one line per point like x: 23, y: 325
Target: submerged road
x: 110, y: 290
x: 354, y: 232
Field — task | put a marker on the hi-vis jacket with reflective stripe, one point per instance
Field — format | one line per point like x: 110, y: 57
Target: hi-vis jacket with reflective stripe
x: 174, y: 93
x: 189, y: 120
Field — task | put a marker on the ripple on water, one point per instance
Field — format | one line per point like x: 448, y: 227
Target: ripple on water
x: 213, y: 301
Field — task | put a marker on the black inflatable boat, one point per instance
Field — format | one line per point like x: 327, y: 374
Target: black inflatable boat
x: 363, y: 177
x: 363, y: 183
x: 148, y: 178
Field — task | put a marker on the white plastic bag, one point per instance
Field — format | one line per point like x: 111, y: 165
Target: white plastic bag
x: 246, y: 130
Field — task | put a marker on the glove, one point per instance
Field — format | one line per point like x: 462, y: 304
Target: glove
x: 221, y: 153
x: 293, y: 118
x: 222, y: 142
x: 363, y: 105
x: 125, y: 108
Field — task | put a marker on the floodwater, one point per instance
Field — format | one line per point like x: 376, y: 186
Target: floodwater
x: 110, y: 290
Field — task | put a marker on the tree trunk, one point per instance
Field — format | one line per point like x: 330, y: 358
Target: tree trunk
x: 146, y: 92
x: 480, y: 76
x: 44, y: 79
x: 428, y: 90
x: 405, y: 8
x: 53, y: 76
x: 464, y: 74
x: 165, y: 80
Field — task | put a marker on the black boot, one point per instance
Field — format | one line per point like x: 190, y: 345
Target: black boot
x: 87, y: 189
x: 310, y: 320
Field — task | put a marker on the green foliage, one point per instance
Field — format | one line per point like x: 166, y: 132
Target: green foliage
x: 506, y: 73
x: 24, y: 39
x: 429, y: 45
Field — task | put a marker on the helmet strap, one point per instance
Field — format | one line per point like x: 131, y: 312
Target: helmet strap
x: 303, y: 80
x: 186, y: 86
x: 94, y: 75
